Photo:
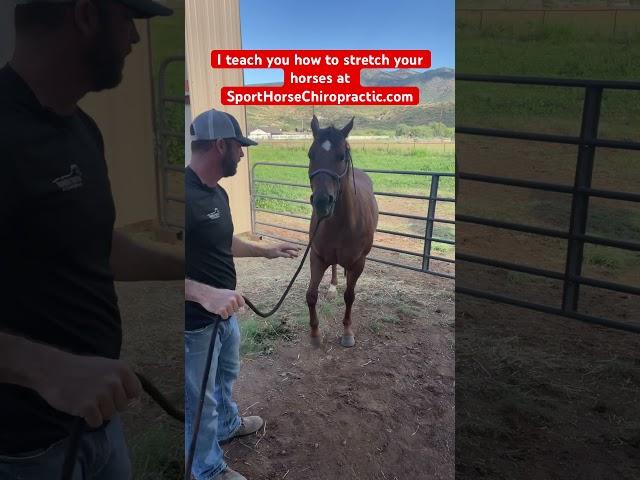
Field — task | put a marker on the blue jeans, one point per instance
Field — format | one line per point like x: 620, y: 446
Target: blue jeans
x: 102, y: 455
x: 220, y: 417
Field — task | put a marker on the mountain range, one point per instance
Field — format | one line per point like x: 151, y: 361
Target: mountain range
x: 437, y: 104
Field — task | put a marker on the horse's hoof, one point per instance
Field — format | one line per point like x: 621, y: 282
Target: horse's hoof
x: 316, y: 342
x: 332, y: 292
x: 347, y: 340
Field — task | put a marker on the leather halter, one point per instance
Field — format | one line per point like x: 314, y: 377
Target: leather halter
x: 337, y: 177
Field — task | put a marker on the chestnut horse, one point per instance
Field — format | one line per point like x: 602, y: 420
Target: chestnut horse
x: 343, y: 198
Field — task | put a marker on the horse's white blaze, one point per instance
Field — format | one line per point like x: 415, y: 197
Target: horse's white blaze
x: 326, y: 145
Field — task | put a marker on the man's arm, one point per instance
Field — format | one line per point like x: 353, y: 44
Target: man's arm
x: 216, y: 300
x: 132, y: 261
x: 243, y: 248
x: 90, y: 387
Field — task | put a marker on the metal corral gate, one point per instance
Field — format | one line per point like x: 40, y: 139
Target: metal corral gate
x: 430, y: 219
x: 580, y: 193
x: 164, y: 134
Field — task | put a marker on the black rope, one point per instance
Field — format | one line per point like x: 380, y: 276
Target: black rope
x: 203, y: 393
x: 284, y: 295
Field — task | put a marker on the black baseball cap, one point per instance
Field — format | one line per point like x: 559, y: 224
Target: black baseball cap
x: 141, y: 8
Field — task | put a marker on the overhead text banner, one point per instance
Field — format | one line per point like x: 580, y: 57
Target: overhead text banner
x: 321, y: 77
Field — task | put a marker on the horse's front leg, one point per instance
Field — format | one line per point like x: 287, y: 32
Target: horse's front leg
x: 353, y: 273
x: 333, y: 292
x: 318, y: 267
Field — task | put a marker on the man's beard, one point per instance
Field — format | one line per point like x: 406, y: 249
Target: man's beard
x: 229, y: 165
x: 105, y: 64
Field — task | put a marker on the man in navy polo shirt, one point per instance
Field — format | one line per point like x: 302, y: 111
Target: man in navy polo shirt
x: 216, y: 147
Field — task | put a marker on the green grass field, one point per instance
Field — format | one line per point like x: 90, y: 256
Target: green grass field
x: 419, y: 160
x: 555, y: 52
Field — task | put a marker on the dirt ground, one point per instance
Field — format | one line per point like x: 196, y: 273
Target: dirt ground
x: 381, y: 410
x: 539, y: 396
x: 542, y: 397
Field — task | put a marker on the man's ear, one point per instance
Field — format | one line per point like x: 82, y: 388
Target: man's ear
x: 87, y: 17
x: 221, y: 145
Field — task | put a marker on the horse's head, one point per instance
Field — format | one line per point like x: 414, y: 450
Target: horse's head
x: 328, y: 163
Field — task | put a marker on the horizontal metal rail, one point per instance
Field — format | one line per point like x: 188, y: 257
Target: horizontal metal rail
x: 551, y: 82
x: 548, y: 138
x: 415, y: 269
x: 284, y: 214
x: 173, y: 100
x: 548, y: 232
x: 173, y: 168
x: 366, y: 170
x: 174, y: 198
x: 283, y: 199
x: 547, y: 309
x: 549, y: 187
x: 396, y: 250
x: 581, y: 191
x: 388, y: 194
x: 373, y: 259
x: 379, y: 230
x: 593, y: 282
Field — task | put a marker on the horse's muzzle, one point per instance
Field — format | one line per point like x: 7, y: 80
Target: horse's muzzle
x: 323, y: 204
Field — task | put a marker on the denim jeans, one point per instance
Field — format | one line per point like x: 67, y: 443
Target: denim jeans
x: 220, y: 417
x: 102, y: 455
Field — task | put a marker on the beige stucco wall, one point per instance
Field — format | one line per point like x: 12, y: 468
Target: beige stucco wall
x: 210, y: 26
x: 125, y: 117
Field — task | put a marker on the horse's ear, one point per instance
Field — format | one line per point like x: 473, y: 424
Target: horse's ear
x: 347, y: 128
x: 315, y: 126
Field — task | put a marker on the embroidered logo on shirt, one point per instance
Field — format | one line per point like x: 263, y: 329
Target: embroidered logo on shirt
x: 71, y: 180
x: 215, y: 214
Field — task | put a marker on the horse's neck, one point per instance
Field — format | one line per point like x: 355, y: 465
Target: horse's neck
x: 345, y: 208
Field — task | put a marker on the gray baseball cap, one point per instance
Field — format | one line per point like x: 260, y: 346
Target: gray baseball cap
x: 214, y: 124
x: 141, y: 8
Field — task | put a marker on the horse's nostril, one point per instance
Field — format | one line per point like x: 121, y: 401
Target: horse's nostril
x: 330, y: 199
x: 311, y: 199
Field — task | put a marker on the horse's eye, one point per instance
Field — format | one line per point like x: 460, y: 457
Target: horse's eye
x: 342, y: 157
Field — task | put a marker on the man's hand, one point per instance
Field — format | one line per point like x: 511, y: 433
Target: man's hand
x: 286, y: 250
x: 93, y: 388
x: 223, y: 302
x: 215, y: 300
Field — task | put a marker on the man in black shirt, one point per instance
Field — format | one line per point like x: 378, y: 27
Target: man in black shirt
x: 60, y: 332
x: 216, y: 147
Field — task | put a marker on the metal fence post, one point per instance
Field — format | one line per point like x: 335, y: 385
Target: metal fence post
x: 431, y: 213
x: 252, y: 195
x: 580, y: 201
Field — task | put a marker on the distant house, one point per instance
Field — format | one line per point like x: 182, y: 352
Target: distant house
x: 264, y: 133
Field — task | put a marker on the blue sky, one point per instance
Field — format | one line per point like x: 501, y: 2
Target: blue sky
x: 347, y: 24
